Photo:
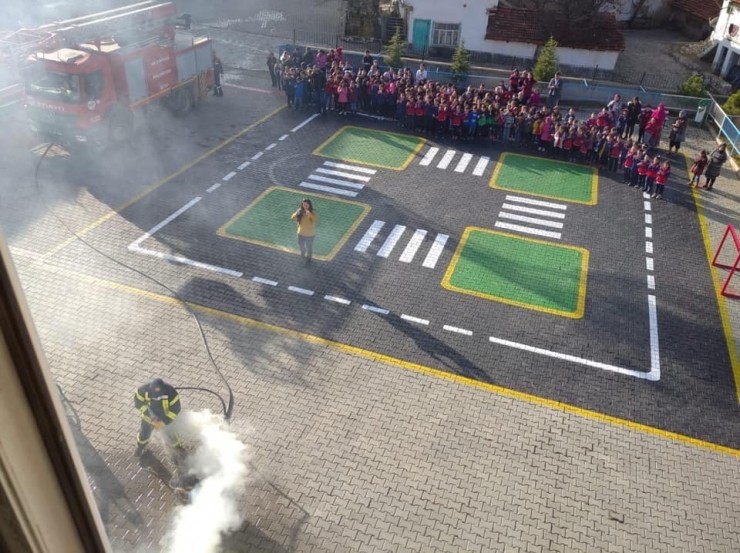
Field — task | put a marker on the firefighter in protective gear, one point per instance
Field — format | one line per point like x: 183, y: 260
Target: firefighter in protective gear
x: 218, y: 72
x: 158, y: 404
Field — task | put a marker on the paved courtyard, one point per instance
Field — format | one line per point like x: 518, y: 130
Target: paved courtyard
x: 492, y: 350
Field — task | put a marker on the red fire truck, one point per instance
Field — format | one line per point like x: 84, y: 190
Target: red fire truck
x: 95, y: 73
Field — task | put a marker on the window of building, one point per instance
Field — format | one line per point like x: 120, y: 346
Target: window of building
x: 446, y: 34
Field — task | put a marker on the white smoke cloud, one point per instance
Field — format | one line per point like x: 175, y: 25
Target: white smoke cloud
x: 220, y: 463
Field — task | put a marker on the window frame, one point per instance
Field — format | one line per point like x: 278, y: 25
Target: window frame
x: 446, y: 31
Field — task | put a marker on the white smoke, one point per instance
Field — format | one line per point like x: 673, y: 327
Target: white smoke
x: 220, y: 463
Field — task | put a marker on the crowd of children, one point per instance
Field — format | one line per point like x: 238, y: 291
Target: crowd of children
x: 511, y: 114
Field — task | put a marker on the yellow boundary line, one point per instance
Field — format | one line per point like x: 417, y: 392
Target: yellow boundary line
x: 594, y: 180
x: 581, y: 302
x: 116, y: 210
x: 342, y: 241
x: 412, y: 155
x: 498, y: 390
x: 722, y: 305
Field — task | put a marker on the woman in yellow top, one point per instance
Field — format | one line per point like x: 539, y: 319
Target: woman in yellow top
x: 306, y: 218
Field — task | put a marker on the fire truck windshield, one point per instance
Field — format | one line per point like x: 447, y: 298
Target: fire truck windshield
x: 62, y: 87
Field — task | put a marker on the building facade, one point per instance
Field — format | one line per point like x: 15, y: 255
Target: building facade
x: 727, y: 36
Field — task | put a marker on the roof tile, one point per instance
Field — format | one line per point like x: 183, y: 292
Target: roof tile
x: 703, y: 9
x: 535, y: 27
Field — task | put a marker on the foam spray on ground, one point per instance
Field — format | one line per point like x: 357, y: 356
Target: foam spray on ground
x: 220, y: 463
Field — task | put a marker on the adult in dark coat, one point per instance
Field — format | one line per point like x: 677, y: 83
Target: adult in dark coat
x: 634, y: 107
x: 716, y: 159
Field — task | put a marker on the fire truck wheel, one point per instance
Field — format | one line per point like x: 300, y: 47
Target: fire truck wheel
x: 182, y: 101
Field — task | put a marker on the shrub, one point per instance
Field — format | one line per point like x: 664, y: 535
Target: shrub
x: 732, y: 105
x: 547, y: 62
x: 693, y: 86
x: 460, y: 63
x: 395, y: 50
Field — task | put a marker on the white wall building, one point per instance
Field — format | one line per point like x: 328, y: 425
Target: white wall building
x: 727, y: 35
x: 508, y: 32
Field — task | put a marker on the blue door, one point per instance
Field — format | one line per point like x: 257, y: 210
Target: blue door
x: 420, y: 38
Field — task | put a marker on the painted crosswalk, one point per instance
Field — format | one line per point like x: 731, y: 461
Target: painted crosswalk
x: 460, y: 161
x: 536, y: 214
x: 418, y: 241
x: 341, y: 179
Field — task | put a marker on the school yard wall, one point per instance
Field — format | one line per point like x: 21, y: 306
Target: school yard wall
x: 585, y: 58
x: 513, y: 49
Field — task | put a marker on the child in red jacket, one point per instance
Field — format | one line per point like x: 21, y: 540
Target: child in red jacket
x: 697, y: 170
x: 662, y: 179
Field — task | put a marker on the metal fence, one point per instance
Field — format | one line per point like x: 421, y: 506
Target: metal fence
x: 726, y: 128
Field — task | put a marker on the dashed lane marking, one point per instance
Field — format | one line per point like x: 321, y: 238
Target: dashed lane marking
x: 244, y: 165
x: 374, y: 309
x: 648, y: 247
x: 415, y: 319
x: 457, y: 330
x: 258, y: 155
x: 649, y: 263
x: 228, y: 176
x: 306, y: 122
x: 283, y: 137
x: 159, y: 226
x: 270, y: 147
x: 266, y: 281
x: 298, y: 290
x: 651, y: 282
x: 213, y: 187
x: 336, y: 299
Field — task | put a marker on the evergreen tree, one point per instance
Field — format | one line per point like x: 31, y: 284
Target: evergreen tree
x: 395, y: 50
x: 547, y: 62
x: 460, y: 63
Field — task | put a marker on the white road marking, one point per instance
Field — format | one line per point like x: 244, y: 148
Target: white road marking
x: 390, y: 242
x: 265, y: 281
x: 415, y: 319
x: 648, y: 247
x: 649, y: 263
x: 270, y: 147
x: 525, y: 219
x: 306, y: 122
x: 648, y: 219
x: 283, y: 137
x: 458, y: 330
x: 540, y: 212
x: 648, y: 232
x: 369, y: 236
x: 244, y: 165
x: 339, y: 191
x: 528, y: 230
x: 374, y: 309
x: 651, y: 282
x: 213, y: 187
x: 335, y: 299
x: 652, y: 375
x: 435, y: 251
x: 350, y: 167
x: 647, y: 206
x: 300, y: 290
x: 159, y: 226
x: 327, y: 180
x: 646, y: 195
x: 258, y: 155
x: 429, y: 156
x: 229, y: 176
x: 654, y: 345
x: 540, y: 203
x: 413, y: 246
x: 446, y: 159
x: 185, y: 261
x: 480, y: 168
x: 342, y: 174
x: 463, y: 163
